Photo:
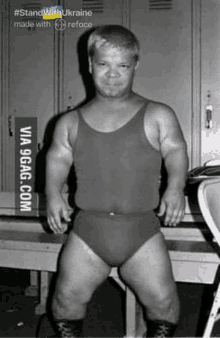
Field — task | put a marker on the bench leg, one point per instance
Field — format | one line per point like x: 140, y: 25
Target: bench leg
x: 119, y: 282
x: 44, y: 288
x: 130, y: 308
x: 32, y: 290
x: 135, y: 324
x: 130, y: 314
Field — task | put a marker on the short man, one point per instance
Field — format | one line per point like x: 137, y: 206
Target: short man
x: 116, y: 142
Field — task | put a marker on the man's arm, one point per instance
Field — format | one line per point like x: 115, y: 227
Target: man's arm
x: 174, y: 152
x: 58, y: 162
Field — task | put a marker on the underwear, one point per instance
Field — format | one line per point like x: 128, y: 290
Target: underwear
x: 113, y: 237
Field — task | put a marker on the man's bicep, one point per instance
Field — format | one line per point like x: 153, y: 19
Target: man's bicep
x: 171, y: 135
x: 60, y: 146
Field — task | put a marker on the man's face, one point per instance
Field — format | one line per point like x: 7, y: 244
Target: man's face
x: 113, y: 71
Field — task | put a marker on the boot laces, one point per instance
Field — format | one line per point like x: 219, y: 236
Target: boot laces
x: 64, y: 330
x: 162, y: 331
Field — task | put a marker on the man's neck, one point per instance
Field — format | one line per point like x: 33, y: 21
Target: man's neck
x: 114, y: 103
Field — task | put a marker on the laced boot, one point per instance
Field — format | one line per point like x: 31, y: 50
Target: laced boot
x: 160, y: 329
x: 69, y: 328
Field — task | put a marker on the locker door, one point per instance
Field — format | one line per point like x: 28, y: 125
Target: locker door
x: 29, y: 81
x: 210, y: 56
x: 165, y: 71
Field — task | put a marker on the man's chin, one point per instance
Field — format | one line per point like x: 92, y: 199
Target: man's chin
x: 113, y: 96
x: 112, y: 93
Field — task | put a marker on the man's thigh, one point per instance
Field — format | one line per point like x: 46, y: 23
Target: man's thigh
x: 149, y: 271
x: 79, y: 267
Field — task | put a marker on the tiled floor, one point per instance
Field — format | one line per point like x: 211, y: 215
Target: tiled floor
x: 105, y: 312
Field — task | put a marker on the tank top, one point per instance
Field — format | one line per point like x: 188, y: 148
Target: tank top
x: 116, y: 171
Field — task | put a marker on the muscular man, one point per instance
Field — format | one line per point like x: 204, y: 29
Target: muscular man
x: 116, y: 143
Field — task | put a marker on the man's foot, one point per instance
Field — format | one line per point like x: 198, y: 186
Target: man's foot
x: 160, y: 329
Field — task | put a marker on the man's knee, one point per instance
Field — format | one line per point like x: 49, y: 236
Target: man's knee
x: 73, y: 294
x: 70, y: 302
x: 164, y: 305
x: 165, y: 301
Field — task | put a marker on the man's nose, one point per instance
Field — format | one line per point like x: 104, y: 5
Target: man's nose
x: 112, y: 72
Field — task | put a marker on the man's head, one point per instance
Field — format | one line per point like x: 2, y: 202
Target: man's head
x: 114, y: 36
x: 113, y: 58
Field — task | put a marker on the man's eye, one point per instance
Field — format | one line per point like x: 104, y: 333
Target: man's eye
x: 125, y: 66
x: 101, y: 64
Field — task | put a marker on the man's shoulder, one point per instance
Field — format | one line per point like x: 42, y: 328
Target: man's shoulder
x: 68, y: 119
x: 160, y: 107
x: 67, y: 126
x: 160, y: 111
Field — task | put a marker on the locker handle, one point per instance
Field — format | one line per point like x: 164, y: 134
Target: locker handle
x: 209, y: 111
x: 10, y: 128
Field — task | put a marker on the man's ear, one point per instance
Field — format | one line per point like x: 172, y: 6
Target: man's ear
x: 90, y: 65
x: 137, y: 64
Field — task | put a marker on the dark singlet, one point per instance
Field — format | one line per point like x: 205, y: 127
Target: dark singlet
x: 116, y: 171
x: 117, y: 189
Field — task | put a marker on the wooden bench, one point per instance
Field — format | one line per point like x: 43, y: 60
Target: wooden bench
x: 25, y: 245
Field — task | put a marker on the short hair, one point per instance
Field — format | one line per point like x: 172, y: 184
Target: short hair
x: 115, y: 36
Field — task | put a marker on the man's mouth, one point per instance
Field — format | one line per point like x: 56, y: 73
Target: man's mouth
x: 112, y: 84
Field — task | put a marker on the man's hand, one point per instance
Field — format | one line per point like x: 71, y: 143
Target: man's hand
x: 57, y: 210
x: 172, y: 206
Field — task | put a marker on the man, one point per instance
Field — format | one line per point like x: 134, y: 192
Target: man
x: 116, y: 142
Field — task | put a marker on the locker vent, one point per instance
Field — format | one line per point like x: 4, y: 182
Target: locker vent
x: 96, y: 6
x: 159, y: 5
x: 32, y: 6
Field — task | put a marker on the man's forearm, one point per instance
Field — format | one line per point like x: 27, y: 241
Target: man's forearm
x: 56, y: 175
x: 176, y: 163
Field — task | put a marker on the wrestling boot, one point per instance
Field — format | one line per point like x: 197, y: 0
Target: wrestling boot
x: 160, y: 329
x: 68, y: 328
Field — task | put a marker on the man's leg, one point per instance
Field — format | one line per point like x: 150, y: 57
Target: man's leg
x: 80, y: 272
x: 149, y: 273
